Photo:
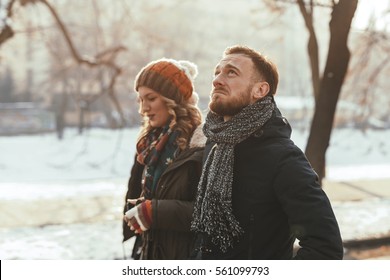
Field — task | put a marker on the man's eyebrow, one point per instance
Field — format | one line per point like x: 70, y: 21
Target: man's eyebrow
x: 228, y: 66
x: 231, y: 66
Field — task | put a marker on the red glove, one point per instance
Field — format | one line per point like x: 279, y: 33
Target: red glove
x: 139, y: 218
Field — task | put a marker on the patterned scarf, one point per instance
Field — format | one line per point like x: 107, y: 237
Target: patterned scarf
x: 213, y: 212
x: 157, y: 150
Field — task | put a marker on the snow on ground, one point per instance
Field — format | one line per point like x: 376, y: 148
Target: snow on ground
x: 354, y: 154
x: 63, y: 199
x: 81, y: 241
x: 97, y: 154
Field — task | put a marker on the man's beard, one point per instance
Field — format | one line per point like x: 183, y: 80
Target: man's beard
x: 231, y: 105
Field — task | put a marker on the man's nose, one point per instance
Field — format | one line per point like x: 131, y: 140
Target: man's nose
x: 217, y: 81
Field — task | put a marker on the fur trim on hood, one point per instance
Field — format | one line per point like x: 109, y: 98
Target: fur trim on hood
x: 198, y: 139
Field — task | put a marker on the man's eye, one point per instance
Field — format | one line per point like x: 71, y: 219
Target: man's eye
x: 230, y: 72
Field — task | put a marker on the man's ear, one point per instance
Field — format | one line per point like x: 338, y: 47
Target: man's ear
x: 260, y: 90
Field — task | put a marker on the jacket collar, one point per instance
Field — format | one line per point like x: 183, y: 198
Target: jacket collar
x: 277, y: 126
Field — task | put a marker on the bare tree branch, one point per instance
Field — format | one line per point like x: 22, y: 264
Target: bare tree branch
x: 105, y: 58
x: 7, y: 32
x: 323, y: 4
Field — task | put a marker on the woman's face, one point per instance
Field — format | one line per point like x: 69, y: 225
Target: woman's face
x: 153, y: 106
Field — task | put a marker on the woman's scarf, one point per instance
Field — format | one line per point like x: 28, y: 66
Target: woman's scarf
x: 156, y: 151
x: 213, y: 212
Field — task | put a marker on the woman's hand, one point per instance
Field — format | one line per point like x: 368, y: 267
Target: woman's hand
x: 139, y: 218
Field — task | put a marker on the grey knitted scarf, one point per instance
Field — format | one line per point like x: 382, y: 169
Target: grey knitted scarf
x: 213, y: 212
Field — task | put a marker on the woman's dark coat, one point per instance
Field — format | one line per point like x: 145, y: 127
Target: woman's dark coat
x: 172, y: 204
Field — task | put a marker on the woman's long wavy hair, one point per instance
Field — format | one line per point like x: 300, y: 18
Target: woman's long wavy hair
x: 186, y: 118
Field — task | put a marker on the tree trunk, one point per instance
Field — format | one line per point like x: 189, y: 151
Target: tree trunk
x: 60, y: 111
x: 312, y: 46
x: 330, y: 86
x: 81, y: 121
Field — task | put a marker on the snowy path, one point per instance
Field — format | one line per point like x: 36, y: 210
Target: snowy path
x: 87, y: 241
x: 82, y: 226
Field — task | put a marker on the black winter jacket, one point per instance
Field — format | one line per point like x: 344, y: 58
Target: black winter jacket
x: 276, y: 199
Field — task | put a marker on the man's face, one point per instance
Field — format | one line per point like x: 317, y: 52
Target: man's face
x: 232, y: 85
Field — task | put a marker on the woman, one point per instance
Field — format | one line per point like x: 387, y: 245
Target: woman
x: 167, y: 166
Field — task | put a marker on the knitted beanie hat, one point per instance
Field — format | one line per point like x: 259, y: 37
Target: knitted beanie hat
x: 170, y: 78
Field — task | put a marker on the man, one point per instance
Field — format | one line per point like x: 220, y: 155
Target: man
x: 258, y: 192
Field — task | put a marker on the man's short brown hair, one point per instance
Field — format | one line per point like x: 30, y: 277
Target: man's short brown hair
x: 264, y: 67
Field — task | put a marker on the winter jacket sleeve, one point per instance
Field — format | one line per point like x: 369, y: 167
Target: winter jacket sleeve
x: 172, y: 214
x: 309, y: 211
x: 134, y: 189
